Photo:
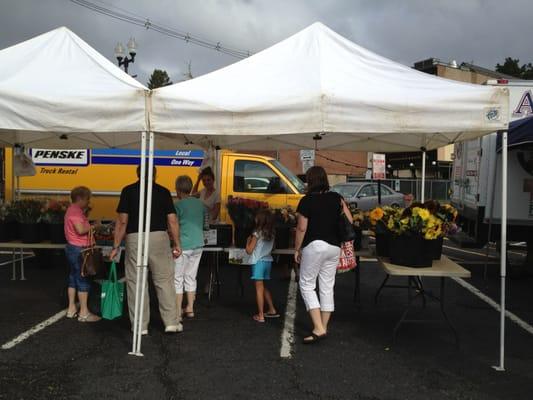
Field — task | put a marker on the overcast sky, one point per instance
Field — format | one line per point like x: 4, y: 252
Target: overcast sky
x: 482, y: 31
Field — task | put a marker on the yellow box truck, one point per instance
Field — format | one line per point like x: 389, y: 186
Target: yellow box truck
x: 107, y: 171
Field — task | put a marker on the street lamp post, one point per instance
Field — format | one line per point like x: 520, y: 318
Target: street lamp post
x: 122, y: 58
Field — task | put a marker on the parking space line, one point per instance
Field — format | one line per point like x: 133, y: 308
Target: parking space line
x: 287, y: 335
x: 465, y: 251
x: 32, y: 331
x: 521, y: 323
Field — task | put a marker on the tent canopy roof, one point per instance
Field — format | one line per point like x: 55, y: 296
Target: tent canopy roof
x: 319, y: 84
x: 57, y: 84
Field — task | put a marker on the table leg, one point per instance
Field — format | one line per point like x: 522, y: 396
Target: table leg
x: 381, y: 288
x: 404, y: 315
x: 210, y: 283
x: 421, y: 288
x: 442, y: 284
x: 14, y: 273
x: 22, y: 277
x: 217, y: 274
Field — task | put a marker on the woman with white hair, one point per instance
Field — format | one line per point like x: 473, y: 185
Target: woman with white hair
x: 190, y: 211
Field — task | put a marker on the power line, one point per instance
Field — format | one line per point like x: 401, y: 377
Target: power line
x: 341, y: 162
x: 135, y: 19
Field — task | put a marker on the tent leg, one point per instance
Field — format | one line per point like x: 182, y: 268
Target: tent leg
x: 423, y: 189
x: 136, y: 321
x: 146, y: 243
x: 503, y: 253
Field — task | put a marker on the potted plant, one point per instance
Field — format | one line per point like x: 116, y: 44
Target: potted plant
x: 361, y: 222
x: 285, y: 223
x: 411, y: 230
x: 447, y: 215
x: 27, y: 213
x: 242, y: 213
x: 54, y: 216
x: 380, y: 218
x: 6, y: 225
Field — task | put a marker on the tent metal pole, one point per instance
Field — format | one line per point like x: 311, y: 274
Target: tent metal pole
x: 503, y: 253
x: 491, y: 218
x: 136, y: 323
x: 423, y: 189
x: 146, y: 243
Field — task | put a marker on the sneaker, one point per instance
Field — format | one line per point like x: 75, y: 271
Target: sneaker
x: 174, y: 328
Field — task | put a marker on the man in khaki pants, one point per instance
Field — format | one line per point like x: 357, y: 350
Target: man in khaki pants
x: 160, y: 258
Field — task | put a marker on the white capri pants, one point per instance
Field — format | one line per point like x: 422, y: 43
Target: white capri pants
x: 319, y: 260
x: 186, y: 269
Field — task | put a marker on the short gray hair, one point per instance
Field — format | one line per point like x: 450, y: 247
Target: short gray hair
x: 183, y: 184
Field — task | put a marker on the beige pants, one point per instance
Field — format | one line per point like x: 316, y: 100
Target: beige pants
x: 161, y: 266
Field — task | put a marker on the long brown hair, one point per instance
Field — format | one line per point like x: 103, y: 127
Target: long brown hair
x: 317, y: 180
x: 264, y: 223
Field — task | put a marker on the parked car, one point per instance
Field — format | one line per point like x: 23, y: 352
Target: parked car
x: 364, y: 195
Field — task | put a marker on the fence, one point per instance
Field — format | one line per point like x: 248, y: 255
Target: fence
x: 437, y: 189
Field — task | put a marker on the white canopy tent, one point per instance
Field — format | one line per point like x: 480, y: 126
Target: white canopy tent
x: 318, y: 82
x: 317, y: 89
x: 57, y: 91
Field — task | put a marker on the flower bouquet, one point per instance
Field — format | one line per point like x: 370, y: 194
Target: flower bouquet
x: 380, y: 223
x: 361, y: 222
x: 6, y: 222
x: 53, y: 214
x: 104, y: 233
x: 54, y: 211
x: 28, y: 215
x: 413, y: 230
x: 242, y: 212
x: 285, y: 222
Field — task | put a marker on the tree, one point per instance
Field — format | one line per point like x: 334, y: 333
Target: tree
x: 159, y: 78
x: 512, y: 67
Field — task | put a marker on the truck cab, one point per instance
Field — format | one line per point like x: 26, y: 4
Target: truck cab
x: 259, y: 178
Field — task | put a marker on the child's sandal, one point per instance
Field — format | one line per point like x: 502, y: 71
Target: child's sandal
x: 256, y: 318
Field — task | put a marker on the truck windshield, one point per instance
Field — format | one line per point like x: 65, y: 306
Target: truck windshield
x: 293, y: 179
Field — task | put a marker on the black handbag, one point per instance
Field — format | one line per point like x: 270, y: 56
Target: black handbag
x: 346, y: 228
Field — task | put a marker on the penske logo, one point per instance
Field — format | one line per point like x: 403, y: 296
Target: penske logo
x: 72, y: 157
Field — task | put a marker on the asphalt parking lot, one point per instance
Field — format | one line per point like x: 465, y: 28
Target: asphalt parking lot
x: 224, y: 354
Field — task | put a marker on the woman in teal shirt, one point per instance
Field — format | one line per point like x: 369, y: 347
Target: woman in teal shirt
x: 191, y: 213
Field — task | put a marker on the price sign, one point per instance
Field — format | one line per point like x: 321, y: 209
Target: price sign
x: 378, y: 166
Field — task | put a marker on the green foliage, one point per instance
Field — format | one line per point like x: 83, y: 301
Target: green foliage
x: 27, y: 211
x: 512, y: 67
x: 159, y: 78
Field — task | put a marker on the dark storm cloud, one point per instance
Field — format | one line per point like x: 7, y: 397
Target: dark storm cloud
x: 483, y: 31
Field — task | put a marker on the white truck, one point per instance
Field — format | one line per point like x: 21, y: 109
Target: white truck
x: 476, y: 179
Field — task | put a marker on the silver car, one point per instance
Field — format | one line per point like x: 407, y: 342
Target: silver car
x: 364, y: 195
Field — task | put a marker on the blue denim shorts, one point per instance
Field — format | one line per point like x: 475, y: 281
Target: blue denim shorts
x: 261, y: 271
x: 75, y: 280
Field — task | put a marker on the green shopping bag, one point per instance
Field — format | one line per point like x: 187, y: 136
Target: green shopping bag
x: 112, y: 295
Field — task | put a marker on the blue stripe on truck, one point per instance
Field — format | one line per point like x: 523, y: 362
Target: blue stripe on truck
x: 178, y: 162
x: 157, y: 153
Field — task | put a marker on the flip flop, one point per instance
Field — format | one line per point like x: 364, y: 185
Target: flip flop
x: 314, y: 338
x: 272, y: 315
x: 257, y: 319
x: 72, y: 315
x: 89, y: 318
x: 188, y: 315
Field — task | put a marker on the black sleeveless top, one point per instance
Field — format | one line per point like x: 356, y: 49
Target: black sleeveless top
x: 322, y: 211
